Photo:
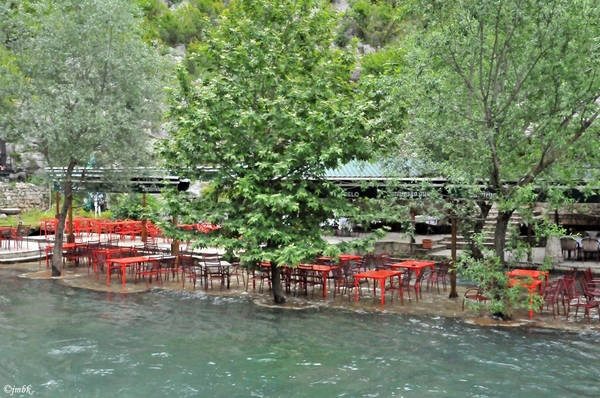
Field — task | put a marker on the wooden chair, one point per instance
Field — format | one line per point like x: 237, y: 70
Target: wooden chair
x: 169, y: 266
x: 149, y: 269
x: 99, y: 259
x: 417, y: 285
x: 18, y: 235
x: 261, y: 273
x: 383, y: 261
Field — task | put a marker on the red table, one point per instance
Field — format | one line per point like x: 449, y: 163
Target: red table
x: 324, y: 270
x: 342, y: 257
x: 65, y: 246
x: 377, y: 275
x: 414, y: 265
x: 534, y: 274
x: 125, y: 262
x: 535, y: 284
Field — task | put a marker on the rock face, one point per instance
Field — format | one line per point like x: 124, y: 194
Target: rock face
x: 24, y: 196
x: 341, y: 5
x: 553, y: 250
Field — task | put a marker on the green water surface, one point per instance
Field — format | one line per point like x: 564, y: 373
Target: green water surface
x: 66, y: 342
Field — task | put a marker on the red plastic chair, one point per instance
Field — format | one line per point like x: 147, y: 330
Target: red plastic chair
x: 99, y: 259
x: 48, y: 226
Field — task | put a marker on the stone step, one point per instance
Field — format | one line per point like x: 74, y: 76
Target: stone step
x: 13, y: 260
x: 13, y: 255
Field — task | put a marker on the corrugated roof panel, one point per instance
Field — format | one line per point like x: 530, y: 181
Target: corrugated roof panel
x: 356, y: 169
x: 362, y: 170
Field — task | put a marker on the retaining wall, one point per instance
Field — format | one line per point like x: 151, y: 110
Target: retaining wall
x: 24, y: 196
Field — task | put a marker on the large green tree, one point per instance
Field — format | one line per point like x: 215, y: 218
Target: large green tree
x: 273, y: 108
x: 91, y: 88
x: 507, y: 92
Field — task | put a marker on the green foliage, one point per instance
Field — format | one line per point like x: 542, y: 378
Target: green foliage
x: 490, y: 275
x: 385, y: 61
x: 91, y: 88
x: 377, y: 23
x: 506, y: 91
x: 181, y: 24
x: 153, y: 11
x: 31, y: 217
x: 130, y: 206
x: 272, y: 109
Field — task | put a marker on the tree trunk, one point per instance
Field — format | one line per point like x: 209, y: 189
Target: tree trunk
x: 60, y: 229
x: 478, y: 227
x: 452, y: 273
x: 452, y: 270
x: 500, y: 233
x: 278, y: 294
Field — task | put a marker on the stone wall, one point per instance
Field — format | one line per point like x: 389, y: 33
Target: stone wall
x: 24, y: 196
x: 572, y: 215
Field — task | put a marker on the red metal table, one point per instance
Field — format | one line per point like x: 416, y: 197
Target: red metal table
x: 531, y: 286
x: 416, y: 266
x: 534, y: 274
x: 65, y: 246
x: 342, y: 257
x: 376, y: 275
x: 125, y: 262
x: 324, y: 270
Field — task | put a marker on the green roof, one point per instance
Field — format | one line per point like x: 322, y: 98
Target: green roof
x: 356, y: 170
x: 360, y: 170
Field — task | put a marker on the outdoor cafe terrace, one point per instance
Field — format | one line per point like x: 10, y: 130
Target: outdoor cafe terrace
x: 113, y: 258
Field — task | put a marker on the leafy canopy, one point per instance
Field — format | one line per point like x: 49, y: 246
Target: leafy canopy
x: 90, y: 88
x: 508, y: 90
x: 273, y: 108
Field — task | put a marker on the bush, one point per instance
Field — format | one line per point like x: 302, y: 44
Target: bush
x: 130, y: 206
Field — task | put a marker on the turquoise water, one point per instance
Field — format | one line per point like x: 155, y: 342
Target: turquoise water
x: 66, y: 342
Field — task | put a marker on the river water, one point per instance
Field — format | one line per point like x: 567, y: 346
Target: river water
x: 62, y: 341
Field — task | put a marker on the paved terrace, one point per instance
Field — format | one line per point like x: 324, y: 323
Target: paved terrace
x: 432, y: 303
x: 396, y: 243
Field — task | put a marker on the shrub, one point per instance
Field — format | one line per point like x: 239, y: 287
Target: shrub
x: 130, y: 206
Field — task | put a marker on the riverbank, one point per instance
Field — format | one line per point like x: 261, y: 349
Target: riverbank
x: 432, y: 303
